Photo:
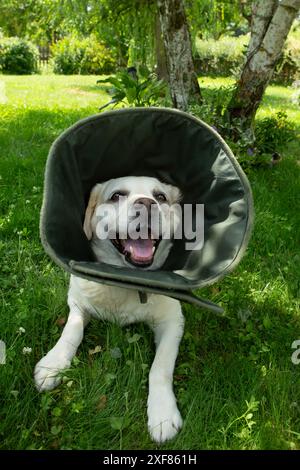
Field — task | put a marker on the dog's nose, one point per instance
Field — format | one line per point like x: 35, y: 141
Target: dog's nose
x: 145, y: 201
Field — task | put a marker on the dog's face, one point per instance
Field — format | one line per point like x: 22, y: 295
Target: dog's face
x: 138, y: 216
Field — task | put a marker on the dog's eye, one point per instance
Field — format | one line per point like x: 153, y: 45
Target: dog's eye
x: 116, y: 196
x: 160, y: 197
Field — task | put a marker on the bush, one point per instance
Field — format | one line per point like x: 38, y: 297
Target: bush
x: 252, y: 149
x: 226, y: 56
x: 223, y: 57
x: 72, y: 55
x: 273, y: 133
x: 288, y: 66
x: 18, y: 56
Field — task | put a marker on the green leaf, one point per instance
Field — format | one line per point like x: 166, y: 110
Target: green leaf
x: 110, y: 377
x: 134, y: 339
x: 267, y: 323
x: 119, y: 423
x: 251, y: 423
x: 127, y: 80
x: 131, y: 95
x: 55, y: 430
x: 116, y: 353
x: 143, y: 71
x: 119, y: 95
x: 113, y: 80
x: 56, y: 411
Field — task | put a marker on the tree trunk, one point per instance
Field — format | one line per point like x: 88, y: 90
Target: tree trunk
x: 271, y: 23
x: 182, y: 78
x: 161, y: 59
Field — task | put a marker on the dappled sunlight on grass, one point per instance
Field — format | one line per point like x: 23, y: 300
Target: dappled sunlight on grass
x: 54, y: 91
x: 229, y: 366
x: 216, y: 82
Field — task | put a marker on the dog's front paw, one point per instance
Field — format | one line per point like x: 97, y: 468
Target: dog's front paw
x: 164, y: 420
x: 47, y: 371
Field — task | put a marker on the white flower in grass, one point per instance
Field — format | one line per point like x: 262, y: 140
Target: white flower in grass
x: 21, y: 330
x: 27, y: 350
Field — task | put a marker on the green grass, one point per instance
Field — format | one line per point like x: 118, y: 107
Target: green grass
x: 236, y: 385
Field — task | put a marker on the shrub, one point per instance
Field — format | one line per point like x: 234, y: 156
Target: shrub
x: 67, y: 56
x: 223, y: 57
x: 226, y: 56
x: 273, y: 132
x: 263, y: 146
x: 288, y: 66
x: 260, y: 146
x: 18, y: 56
x: 72, y: 55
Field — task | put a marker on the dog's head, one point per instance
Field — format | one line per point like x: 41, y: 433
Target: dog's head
x: 131, y: 221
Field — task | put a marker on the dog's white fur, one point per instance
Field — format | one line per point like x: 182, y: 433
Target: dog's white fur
x: 163, y: 314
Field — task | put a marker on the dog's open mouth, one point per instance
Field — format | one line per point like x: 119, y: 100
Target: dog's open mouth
x: 138, y: 252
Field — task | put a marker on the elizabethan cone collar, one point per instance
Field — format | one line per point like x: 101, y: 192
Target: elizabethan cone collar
x: 172, y: 146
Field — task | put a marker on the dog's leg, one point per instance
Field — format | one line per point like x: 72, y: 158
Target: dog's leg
x: 47, y: 371
x: 164, y: 419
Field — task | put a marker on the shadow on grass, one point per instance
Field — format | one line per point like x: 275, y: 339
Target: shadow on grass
x: 95, y: 88
x: 221, y: 359
x: 276, y: 100
x: 35, y: 128
x: 29, y: 135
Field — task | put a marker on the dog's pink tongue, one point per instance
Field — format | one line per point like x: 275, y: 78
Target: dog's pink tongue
x: 140, y: 250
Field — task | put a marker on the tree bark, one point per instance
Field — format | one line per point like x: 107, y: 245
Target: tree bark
x: 182, y: 78
x: 161, y: 59
x: 262, y: 14
x: 271, y: 23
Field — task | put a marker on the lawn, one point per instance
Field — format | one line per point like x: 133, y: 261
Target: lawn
x: 236, y: 384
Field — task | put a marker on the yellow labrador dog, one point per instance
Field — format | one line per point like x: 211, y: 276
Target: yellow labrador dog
x: 121, y: 247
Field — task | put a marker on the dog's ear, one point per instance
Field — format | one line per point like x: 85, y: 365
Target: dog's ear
x: 94, y: 198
